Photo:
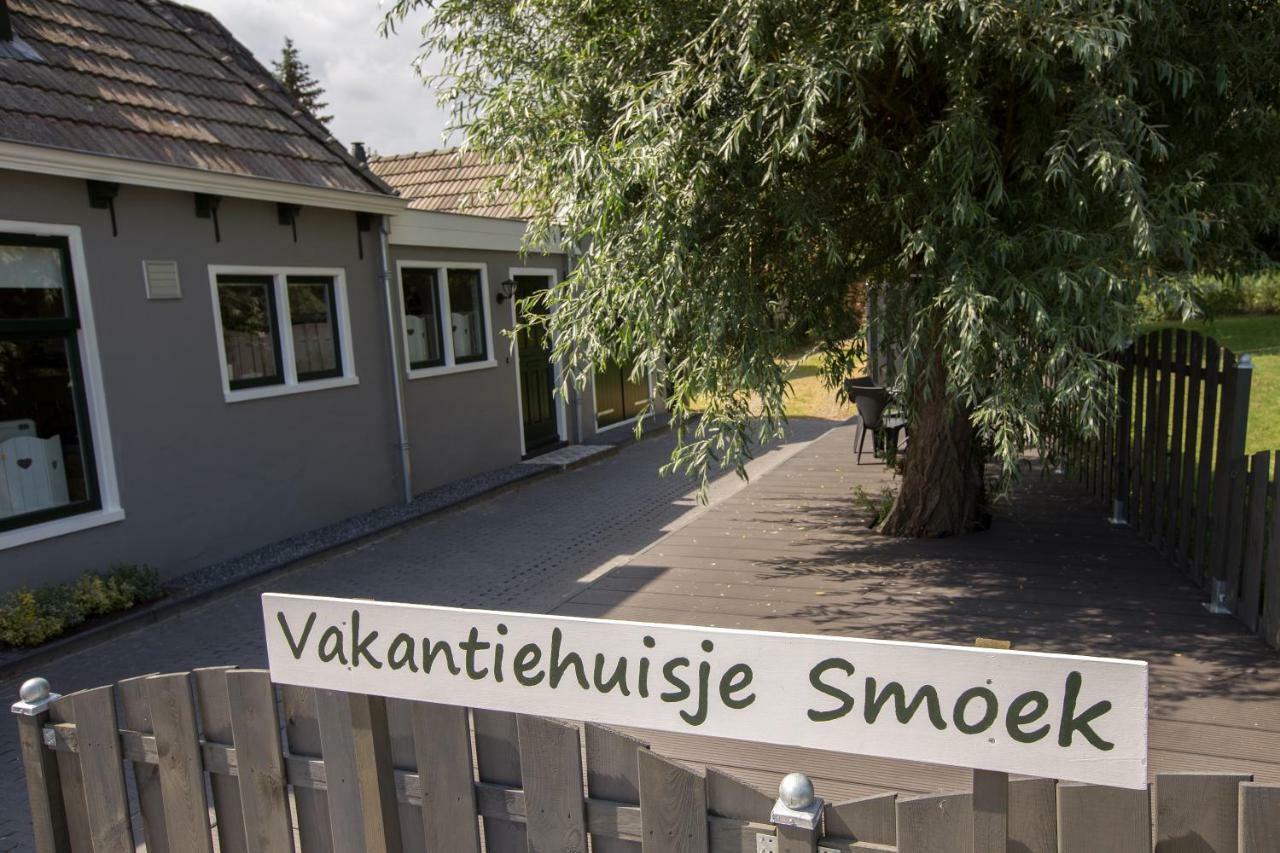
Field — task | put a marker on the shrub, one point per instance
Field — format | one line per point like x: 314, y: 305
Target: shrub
x: 1258, y: 293
x: 29, y: 617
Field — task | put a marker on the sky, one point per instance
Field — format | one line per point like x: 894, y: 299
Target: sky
x: 374, y: 94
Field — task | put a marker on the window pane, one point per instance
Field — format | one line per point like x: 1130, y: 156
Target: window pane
x: 315, y: 327
x: 247, y: 305
x: 45, y: 462
x: 466, y: 310
x: 31, y: 282
x: 422, y: 317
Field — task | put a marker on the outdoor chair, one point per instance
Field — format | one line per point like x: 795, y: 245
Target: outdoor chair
x: 874, y: 416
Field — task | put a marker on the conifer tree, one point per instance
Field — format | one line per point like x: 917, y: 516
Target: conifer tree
x: 295, y: 76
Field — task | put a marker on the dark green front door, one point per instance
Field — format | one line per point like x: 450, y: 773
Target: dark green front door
x: 537, y: 377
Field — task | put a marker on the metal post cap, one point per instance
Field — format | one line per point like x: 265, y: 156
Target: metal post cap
x: 34, y: 690
x: 796, y: 791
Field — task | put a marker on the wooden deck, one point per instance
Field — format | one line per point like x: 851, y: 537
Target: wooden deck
x: 791, y: 553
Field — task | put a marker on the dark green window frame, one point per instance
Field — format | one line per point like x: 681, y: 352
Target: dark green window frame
x: 331, y: 292
x: 68, y: 328
x: 273, y: 327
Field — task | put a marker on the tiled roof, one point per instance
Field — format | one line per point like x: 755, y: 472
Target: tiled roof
x: 158, y: 82
x: 449, y: 181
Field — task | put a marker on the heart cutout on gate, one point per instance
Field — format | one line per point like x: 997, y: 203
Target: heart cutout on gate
x: 24, y: 463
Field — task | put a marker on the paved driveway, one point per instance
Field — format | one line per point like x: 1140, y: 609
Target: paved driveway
x: 527, y: 549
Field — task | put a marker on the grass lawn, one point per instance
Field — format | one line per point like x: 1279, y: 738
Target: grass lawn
x: 809, y: 396
x: 1258, y: 335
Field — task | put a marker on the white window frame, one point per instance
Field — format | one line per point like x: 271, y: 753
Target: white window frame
x: 446, y: 330
x: 562, y: 412
x: 95, y: 398
x: 289, y: 368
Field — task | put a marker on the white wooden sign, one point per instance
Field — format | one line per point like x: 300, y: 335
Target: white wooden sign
x: 1057, y: 716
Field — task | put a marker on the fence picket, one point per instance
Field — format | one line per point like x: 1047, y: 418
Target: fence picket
x: 173, y: 718
x: 44, y: 788
x: 259, y: 761
x: 1254, y: 540
x: 215, y: 721
x: 1152, y: 430
x: 146, y: 777
x: 1159, y: 482
x: 869, y: 820
x: 405, y: 758
x: 1100, y: 819
x: 935, y: 823
x: 612, y: 774
x: 1174, y: 498
x: 1258, y: 823
x: 1196, y: 812
x: 673, y: 806
x: 363, y: 815
x: 102, y: 766
x: 442, y: 744
x: 551, y: 767
x: 1137, y: 459
x: 1271, y: 584
x: 1204, y: 478
x: 1033, y: 816
x: 498, y: 761
x: 1187, y: 503
x: 71, y: 776
x: 302, y: 730
x: 1231, y: 528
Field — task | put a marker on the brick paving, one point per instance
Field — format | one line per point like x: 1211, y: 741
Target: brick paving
x: 526, y: 549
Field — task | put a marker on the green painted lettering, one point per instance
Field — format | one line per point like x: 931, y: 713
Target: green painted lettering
x: 904, y: 711
x: 1018, y: 716
x: 845, y: 700
x: 301, y: 645
x: 1073, y: 722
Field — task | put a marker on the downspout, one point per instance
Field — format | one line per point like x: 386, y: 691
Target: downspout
x: 397, y: 376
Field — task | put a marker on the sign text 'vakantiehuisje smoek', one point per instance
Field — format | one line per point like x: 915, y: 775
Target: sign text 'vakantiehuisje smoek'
x: 1076, y: 718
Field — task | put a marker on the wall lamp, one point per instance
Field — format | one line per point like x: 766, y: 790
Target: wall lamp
x: 506, y: 290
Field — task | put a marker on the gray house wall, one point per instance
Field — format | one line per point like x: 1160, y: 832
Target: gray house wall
x: 201, y: 479
x: 467, y: 422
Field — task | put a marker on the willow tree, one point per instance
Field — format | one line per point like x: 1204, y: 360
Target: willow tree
x: 996, y: 180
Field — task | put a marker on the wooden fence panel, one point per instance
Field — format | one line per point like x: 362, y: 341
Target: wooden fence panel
x: 1137, y: 457
x: 1197, y: 812
x: 1187, y: 492
x: 612, y: 774
x: 1033, y: 816
x: 259, y: 761
x: 146, y: 777
x: 866, y: 820
x: 302, y: 730
x: 215, y: 719
x: 1231, y: 529
x: 498, y: 761
x: 551, y: 770
x: 442, y: 744
x: 1271, y: 584
x: 173, y: 718
x: 1258, y: 823
x: 673, y: 806
x: 102, y: 766
x: 935, y: 824
x: 1152, y: 430
x: 1099, y: 819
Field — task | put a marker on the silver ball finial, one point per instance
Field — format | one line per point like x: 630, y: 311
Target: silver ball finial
x: 796, y: 791
x: 34, y: 690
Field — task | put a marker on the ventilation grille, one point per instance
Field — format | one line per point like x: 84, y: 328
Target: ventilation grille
x: 162, y: 279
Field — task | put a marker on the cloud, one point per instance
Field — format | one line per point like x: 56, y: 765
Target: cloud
x: 374, y: 94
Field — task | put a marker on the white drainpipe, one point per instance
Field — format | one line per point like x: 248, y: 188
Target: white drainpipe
x: 397, y: 377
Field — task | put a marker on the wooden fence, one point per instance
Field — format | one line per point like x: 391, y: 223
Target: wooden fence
x: 1171, y: 463
x: 212, y: 765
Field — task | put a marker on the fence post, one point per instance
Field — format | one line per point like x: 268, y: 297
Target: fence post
x: 44, y: 790
x: 1232, y: 432
x: 1123, y: 437
x: 797, y: 815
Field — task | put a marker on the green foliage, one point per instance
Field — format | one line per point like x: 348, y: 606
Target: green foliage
x: 295, y: 76
x: 877, y: 506
x: 30, y: 617
x: 1001, y: 180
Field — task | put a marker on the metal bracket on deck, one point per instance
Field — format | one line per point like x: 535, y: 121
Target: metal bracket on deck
x: 766, y: 843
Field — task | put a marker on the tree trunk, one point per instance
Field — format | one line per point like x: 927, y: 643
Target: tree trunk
x: 942, y: 475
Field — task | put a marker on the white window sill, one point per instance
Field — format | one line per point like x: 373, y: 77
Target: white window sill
x: 446, y: 369
x: 242, y: 394
x: 59, y: 527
